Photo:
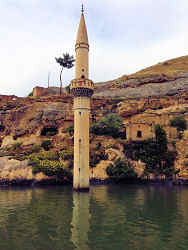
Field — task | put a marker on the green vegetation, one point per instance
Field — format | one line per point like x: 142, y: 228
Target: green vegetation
x: 98, y: 146
x: 31, y: 94
x: 67, y: 88
x: 49, y: 164
x: 69, y: 130
x: 46, y: 145
x: 121, y: 170
x: 116, y: 100
x: 96, y: 157
x: 36, y: 148
x: 65, y: 62
x: 110, y: 125
x: 154, y: 153
x: 180, y: 124
x: 66, y: 154
x: 17, y: 145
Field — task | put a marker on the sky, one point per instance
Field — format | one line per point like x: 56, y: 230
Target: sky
x: 125, y: 36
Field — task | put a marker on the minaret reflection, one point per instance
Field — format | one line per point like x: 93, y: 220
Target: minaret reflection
x: 80, y: 220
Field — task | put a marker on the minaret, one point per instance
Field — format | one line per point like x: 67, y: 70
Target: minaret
x: 82, y: 90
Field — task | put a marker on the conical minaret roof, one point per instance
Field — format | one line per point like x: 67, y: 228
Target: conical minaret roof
x: 82, y: 31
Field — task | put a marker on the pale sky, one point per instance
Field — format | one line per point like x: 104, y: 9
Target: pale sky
x: 125, y: 36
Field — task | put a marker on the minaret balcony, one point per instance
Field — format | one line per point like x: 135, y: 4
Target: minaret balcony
x: 82, y: 45
x: 81, y: 87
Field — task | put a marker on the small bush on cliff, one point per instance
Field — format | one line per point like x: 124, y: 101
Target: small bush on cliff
x: 36, y: 148
x: 31, y: 94
x: 180, y: 124
x: 67, y: 88
x: 96, y: 157
x: 49, y: 164
x: 69, y: 130
x: 66, y: 154
x: 121, y: 170
x: 46, y: 145
x: 17, y: 145
x: 111, y: 125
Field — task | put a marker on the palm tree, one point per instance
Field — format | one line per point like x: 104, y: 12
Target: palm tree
x: 65, y: 62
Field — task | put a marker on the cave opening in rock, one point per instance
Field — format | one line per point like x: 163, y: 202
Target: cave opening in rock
x: 2, y: 128
x: 49, y: 131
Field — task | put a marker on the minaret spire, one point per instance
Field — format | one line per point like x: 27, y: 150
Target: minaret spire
x: 82, y: 10
x: 82, y: 36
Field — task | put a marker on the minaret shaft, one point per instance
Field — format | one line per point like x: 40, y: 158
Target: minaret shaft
x: 81, y: 143
x: 82, y: 90
x: 82, y: 63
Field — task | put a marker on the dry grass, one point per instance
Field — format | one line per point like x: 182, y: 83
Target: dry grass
x: 169, y: 68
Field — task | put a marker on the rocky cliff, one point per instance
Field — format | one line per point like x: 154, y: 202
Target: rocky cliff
x: 154, y: 95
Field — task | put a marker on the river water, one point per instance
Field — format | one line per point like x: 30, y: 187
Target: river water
x: 109, y: 217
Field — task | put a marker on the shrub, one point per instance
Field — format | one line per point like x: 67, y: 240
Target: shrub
x: 46, y: 145
x: 116, y: 100
x: 121, y: 170
x: 17, y: 145
x: 110, y: 125
x: 67, y: 88
x: 36, y: 148
x: 179, y: 123
x: 69, y: 130
x: 31, y: 94
x: 49, y: 155
x: 48, y: 164
x: 96, y: 158
x: 66, y: 154
x: 98, y: 146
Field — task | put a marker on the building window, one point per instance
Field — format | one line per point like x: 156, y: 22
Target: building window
x: 139, y: 134
x: 125, y: 135
x: 82, y: 70
x: 82, y: 76
x: 80, y: 113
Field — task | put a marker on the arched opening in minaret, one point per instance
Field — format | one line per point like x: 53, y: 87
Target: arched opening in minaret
x: 83, y: 77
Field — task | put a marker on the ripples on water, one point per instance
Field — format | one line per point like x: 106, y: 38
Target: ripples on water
x: 109, y: 217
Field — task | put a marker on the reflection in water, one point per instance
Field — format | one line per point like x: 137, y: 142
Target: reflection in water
x: 109, y: 217
x: 80, y: 220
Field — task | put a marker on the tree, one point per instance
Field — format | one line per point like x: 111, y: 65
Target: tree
x: 161, y: 140
x: 65, y: 62
x: 109, y: 125
x: 179, y: 123
x: 121, y: 170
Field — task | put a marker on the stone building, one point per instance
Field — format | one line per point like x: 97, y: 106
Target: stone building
x: 142, y: 127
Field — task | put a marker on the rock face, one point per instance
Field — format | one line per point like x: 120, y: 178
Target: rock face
x: 147, y: 87
x: 12, y: 171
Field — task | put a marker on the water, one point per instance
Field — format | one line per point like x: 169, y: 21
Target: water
x: 109, y: 217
